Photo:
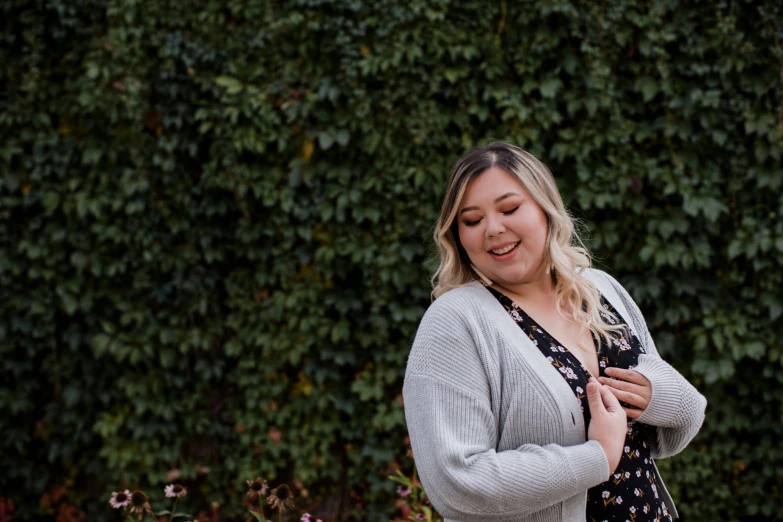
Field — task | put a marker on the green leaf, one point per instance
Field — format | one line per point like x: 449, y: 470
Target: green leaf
x: 648, y: 87
x: 550, y: 87
x: 257, y: 516
x: 325, y: 140
x: 232, y: 85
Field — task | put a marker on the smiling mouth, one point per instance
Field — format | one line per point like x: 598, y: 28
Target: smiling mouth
x: 505, y: 250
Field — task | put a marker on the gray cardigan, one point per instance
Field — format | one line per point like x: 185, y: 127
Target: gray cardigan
x: 496, y: 432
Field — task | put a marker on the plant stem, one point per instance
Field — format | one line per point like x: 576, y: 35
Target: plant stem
x: 173, y: 509
x: 261, y: 506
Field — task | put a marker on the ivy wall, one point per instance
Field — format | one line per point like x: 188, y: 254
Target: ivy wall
x: 214, y: 223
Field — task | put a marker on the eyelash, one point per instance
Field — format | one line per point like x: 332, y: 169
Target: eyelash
x: 506, y: 213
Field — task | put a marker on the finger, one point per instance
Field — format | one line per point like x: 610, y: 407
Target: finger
x: 594, y: 401
x: 624, y: 386
x: 632, y: 413
x: 630, y: 398
x: 610, y: 402
x: 627, y: 375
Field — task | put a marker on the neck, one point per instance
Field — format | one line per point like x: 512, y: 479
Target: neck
x: 538, y: 289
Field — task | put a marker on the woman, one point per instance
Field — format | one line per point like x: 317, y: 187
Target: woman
x: 533, y: 390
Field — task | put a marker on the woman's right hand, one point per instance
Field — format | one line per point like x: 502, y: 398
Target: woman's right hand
x: 608, y: 424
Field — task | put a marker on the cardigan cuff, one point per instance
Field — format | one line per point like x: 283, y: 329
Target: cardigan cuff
x: 665, y: 404
x: 589, y: 464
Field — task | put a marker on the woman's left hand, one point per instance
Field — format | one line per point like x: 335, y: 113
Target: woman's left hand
x: 629, y: 387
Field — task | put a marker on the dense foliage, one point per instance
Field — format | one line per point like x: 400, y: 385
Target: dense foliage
x: 215, y: 220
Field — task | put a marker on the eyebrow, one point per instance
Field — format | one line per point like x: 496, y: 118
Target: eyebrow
x: 498, y: 200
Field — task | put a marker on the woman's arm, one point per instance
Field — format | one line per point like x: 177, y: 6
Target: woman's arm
x: 454, y: 433
x: 676, y: 408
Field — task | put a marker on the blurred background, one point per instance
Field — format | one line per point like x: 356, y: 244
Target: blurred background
x: 216, y: 218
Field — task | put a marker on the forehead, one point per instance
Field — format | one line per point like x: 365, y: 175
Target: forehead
x: 489, y: 185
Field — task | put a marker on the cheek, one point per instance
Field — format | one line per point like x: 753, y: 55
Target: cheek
x: 471, y: 238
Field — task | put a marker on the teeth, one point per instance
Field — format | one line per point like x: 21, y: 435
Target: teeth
x: 505, y: 250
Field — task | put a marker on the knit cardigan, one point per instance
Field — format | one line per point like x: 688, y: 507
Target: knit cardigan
x: 497, y: 434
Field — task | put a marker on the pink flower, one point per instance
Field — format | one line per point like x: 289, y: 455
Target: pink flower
x: 175, y: 491
x: 403, y: 492
x: 421, y: 516
x: 305, y: 517
x: 120, y: 499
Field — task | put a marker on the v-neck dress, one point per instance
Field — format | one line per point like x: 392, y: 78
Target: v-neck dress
x: 632, y: 492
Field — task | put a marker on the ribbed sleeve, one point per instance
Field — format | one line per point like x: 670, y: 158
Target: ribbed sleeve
x: 454, y: 432
x: 676, y: 407
x: 453, y: 437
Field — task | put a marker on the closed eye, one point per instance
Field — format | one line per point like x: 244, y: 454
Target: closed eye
x: 505, y: 213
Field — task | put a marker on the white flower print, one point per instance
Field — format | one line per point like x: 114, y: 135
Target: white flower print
x: 655, y: 490
x: 632, y: 509
x: 646, y: 509
x: 639, y: 473
x: 627, y: 449
x: 549, y: 358
x: 619, y: 499
x: 562, y: 369
x: 553, y: 347
x: 602, y: 363
x: 570, y: 374
x: 605, y: 494
x: 579, y: 390
x: 627, y: 475
x: 637, y: 492
x: 561, y: 349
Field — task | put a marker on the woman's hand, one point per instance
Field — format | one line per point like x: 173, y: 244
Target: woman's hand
x: 608, y: 422
x: 630, y: 387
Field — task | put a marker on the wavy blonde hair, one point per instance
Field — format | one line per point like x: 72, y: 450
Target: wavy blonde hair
x: 564, y: 253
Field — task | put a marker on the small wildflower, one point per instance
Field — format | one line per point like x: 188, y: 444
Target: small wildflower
x: 139, y: 503
x: 403, y: 492
x: 281, y: 498
x: 256, y: 488
x: 120, y: 499
x: 175, y: 491
x: 305, y: 517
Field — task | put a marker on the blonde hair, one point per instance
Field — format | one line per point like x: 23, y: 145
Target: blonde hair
x: 564, y: 252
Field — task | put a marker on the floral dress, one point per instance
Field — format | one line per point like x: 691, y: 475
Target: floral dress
x: 632, y: 492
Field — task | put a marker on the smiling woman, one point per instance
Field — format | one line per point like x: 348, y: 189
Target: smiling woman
x: 514, y: 383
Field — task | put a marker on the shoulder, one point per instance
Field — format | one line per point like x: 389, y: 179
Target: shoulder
x: 462, y: 302
x: 447, y: 342
x: 604, y: 282
x: 596, y: 275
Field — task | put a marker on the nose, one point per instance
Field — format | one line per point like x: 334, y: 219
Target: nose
x: 494, y: 226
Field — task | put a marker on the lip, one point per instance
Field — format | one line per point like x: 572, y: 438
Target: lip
x: 502, y: 245
x: 508, y: 255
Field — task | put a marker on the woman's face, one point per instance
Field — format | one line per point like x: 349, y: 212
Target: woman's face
x: 502, y: 229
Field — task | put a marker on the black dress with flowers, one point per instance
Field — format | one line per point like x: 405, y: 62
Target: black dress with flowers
x: 632, y: 492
